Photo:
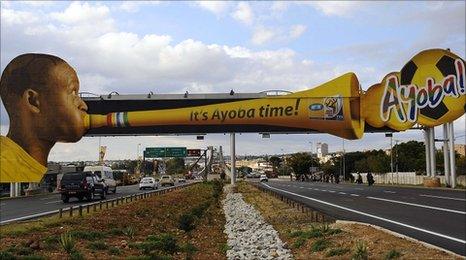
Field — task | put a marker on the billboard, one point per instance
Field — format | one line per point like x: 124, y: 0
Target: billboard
x: 429, y: 90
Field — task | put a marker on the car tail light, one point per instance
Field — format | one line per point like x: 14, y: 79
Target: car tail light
x: 84, y: 184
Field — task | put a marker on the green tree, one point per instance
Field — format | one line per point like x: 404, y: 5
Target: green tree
x: 300, y: 163
x: 275, y: 161
x: 410, y: 156
x: 175, y: 166
x: 284, y: 170
x: 461, y: 165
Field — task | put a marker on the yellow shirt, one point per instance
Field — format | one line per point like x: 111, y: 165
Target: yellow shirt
x: 16, y: 165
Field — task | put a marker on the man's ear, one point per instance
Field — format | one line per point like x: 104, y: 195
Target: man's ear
x: 31, y: 100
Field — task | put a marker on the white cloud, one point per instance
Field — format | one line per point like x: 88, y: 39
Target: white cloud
x: 216, y: 7
x: 81, y: 13
x: 279, y: 6
x: 297, y: 30
x: 336, y: 8
x: 134, y: 6
x: 12, y: 17
x: 262, y: 35
x: 243, y: 13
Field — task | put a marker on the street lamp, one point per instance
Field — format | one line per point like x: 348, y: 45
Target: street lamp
x: 137, y: 155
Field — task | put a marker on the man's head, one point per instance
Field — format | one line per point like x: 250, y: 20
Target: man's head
x: 40, y: 94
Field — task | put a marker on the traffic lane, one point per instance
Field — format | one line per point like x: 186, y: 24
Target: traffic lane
x: 449, y: 200
x: 33, y: 205
x: 431, y: 217
x: 434, y: 228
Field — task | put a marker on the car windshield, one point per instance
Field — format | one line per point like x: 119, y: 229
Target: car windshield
x: 73, y: 176
x: 147, y: 179
x: 165, y: 177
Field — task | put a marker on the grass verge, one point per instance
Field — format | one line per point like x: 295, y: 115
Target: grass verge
x: 145, y: 229
x: 311, y: 240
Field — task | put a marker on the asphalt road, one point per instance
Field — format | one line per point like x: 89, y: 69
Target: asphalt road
x: 27, y: 206
x: 435, y: 216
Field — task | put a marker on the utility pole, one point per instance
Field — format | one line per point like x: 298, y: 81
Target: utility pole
x: 343, y: 159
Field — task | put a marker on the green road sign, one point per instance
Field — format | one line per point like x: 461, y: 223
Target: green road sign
x: 153, y: 152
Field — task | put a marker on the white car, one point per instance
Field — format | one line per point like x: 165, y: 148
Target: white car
x: 106, y: 174
x: 263, y: 177
x: 148, y: 183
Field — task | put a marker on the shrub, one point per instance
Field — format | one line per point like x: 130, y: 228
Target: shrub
x: 98, y: 245
x: 360, y: 251
x: 114, y: 251
x: 186, y: 222
x: 337, y: 251
x: 116, y: 232
x: 76, y: 255
x: 67, y: 242
x: 87, y: 235
x: 129, y: 231
x: 299, y: 242
x: 32, y: 257
x: 319, y: 245
x: 4, y: 255
x: 224, y: 248
x: 165, y: 242
x: 392, y: 254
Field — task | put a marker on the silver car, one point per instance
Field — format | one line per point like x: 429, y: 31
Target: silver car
x: 148, y: 183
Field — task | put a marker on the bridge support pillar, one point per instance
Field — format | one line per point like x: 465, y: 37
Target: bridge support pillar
x: 427, y: 148
x: 451, y: 146
x: 233, y: 159
x: 433, y: 168
x: 446, y: 154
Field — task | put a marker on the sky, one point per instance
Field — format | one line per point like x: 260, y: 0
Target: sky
x: 213, y: 47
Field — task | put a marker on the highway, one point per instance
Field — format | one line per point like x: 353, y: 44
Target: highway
x: 27, y: 206
x: 435, y: 216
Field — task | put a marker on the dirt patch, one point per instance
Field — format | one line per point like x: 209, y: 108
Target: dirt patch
x: 312, y: 240
x: 183, y: 224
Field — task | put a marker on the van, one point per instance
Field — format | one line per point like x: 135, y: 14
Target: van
x: 106, y: 174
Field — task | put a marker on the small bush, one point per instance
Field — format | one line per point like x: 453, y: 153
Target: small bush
x: 360, y: 251
x: 319, y: 245
x: 129, y: 231
x: 88, y: 235
x: 4, y: 255
x: 186, y: 222
x: 299, y: 242
x: 98, y: 245
x: 67, y: 242
x: 76, y: 255
x: 31, y: 257
x: 392, y: 254
x: 165, y: 242
x: 19, y: 250
x: 337, y: 251
x: 116, y: 232
x: 224, y: 248
x: 114, y: 251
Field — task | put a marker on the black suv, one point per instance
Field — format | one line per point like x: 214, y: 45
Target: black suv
x: 81, y: 185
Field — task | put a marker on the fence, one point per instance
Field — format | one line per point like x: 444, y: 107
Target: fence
x: 98, y: 205
x: 409, y: 178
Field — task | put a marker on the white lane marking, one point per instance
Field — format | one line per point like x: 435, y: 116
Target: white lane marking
x: 309, y: 188
x: 341, y: 193
x: 389, y: 191
x: 358, y: 188
x: 355, y: 195
x: 373, y: 216
x: 440, y: 197
x: 419, y: 205
x: 316, y: 189
x: 51, y: 202
x: 301, y: 187
x: 324, y: 190
x: 331, y: 191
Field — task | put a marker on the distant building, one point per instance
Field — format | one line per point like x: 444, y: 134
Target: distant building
x: 322, y: 150
x: 460, y: 149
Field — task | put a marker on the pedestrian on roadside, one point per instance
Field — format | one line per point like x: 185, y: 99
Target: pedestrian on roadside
x: 359, y: 179
x: 370, y: 179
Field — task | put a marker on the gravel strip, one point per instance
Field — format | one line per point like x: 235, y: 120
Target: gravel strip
x: 249, y: 236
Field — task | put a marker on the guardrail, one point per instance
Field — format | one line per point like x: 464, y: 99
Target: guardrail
x: 314, y: 215
x: 98, y: 205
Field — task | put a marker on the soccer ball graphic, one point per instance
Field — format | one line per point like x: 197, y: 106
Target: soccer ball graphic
x: 435, y: 64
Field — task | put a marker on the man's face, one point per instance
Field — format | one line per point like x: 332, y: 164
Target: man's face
x: 61, y: 107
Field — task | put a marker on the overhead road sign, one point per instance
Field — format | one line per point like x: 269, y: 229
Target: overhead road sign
x: 161, y: 152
